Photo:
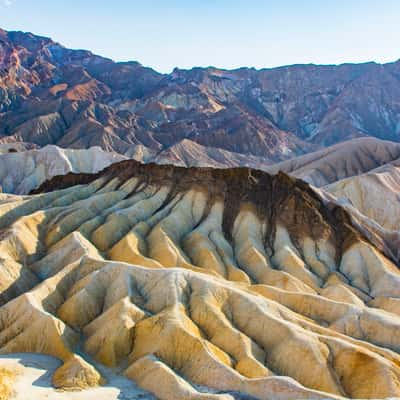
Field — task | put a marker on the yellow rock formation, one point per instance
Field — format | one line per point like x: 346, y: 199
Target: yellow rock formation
x: 156, y: 283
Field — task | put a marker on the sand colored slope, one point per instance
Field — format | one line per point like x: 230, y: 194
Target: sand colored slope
x: 23, y: 171
x: 375, y: 194
x: 340, y: 161
x: 199, y: 284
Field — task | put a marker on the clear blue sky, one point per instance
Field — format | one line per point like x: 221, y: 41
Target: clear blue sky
x: 222, y: 33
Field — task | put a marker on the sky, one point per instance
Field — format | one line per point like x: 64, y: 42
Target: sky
x: 221, y: 33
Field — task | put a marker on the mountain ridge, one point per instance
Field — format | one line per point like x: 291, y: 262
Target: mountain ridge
x: 73, y: 98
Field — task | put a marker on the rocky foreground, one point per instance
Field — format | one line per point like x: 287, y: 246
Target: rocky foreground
x: 199, y: 284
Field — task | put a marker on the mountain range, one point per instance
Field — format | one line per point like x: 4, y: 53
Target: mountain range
x: 72, y: 98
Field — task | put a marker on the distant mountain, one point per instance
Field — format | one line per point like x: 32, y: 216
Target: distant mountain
x: 72, y: 98
x: 188, y: 153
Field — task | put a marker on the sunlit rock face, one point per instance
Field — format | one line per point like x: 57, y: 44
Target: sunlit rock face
x: 199, y: 284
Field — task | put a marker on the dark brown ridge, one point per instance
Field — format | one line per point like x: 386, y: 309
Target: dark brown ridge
x: 276, y: 198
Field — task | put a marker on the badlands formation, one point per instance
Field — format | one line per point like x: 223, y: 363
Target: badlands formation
x: 198, y: 284
x: 375, y: 194
x: 23, y: 171
x: 344, y: 160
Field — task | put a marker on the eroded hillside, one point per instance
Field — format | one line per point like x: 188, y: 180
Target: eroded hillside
x: 375, y: 194
x: 344, y: 160
x: 23, y: 171
x: 184, y: 279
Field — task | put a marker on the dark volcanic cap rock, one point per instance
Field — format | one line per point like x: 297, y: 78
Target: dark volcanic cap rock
x: 276, y: 198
